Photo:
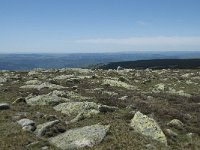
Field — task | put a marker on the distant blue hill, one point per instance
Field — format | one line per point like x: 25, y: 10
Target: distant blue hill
x: 30, y: 61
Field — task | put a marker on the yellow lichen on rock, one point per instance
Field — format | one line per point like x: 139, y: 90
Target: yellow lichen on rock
x: 148, y: 127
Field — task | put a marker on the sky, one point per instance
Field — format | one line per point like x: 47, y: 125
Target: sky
x: 68, y: 26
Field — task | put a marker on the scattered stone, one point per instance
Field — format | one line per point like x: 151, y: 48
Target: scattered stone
x: 41, y: 129
x: 45, y: 148
x: 33, y: 82
x: 176, y: 124
x: 32, y: 72
x: 118, y: 84
x: 148, y: 127
x: 28, y: 128
x: 3, y: 80
x: 32, y: 144
x: 4, y: 106
x: 42, y: 86
x: 47, y: 99
x: 105, y: 108
x: 74, y: 108
x: 171, y: 133
x: 150, y: 98
x: 123, y: 98
x: 27, y: 124
x: 80, y: 137
x: 20, y: 100
x: 160, y: 87
x: 59, y: 93
x: 190, y: 136
x: 132, y: 113
x: 110, y: 93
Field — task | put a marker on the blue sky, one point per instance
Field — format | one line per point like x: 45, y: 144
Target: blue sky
x: 66, y: 26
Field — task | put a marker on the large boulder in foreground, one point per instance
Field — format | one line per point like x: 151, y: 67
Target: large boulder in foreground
x: 148, y: 127
x: 80, y: 137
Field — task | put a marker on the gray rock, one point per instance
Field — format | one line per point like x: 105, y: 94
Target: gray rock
x: 45, y: 147
x: 43, y: 85
x: 2, y: 80
x: 176, y: 124
x: 80, y: 137
x: 45, y: 100
x: 41, y: 129
x: 20, y: 100
x: 105, y: 108
x: 74, y: 108
x: 28, y: 128
x: 171, y: 133
x: 4, y: 106
x: 148, y: 127
x: 26, y: 122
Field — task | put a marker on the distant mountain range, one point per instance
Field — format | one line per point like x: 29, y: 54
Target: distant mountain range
x: 82, y: 60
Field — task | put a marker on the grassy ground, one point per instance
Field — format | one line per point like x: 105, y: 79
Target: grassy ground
x: 163, y: 108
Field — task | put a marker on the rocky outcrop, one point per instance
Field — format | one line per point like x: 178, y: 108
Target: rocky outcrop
x: 148, y: 127
x: 80, y: 137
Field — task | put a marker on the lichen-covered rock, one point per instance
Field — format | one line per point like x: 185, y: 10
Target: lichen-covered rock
x: 76, y: 96
x: 176, y: 124
x: 80, y: 137
x: 33, y: 82
x: 2, y: 80
x: 59, y: 93
x: 41, y: 129
x: 45, y: 100
x: 43, y: 85
x: 74, y: 108
x: 4, y: 106
x: 148, y: 127
x: 118, y: 84
x: 160, y: 87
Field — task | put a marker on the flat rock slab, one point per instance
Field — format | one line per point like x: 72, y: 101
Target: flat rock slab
x: 80, y: 137
x: 45, y: 100
x: 4, y: 106
x: 43, y: 85
x: 148, y: 127
x: 74, y: 108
